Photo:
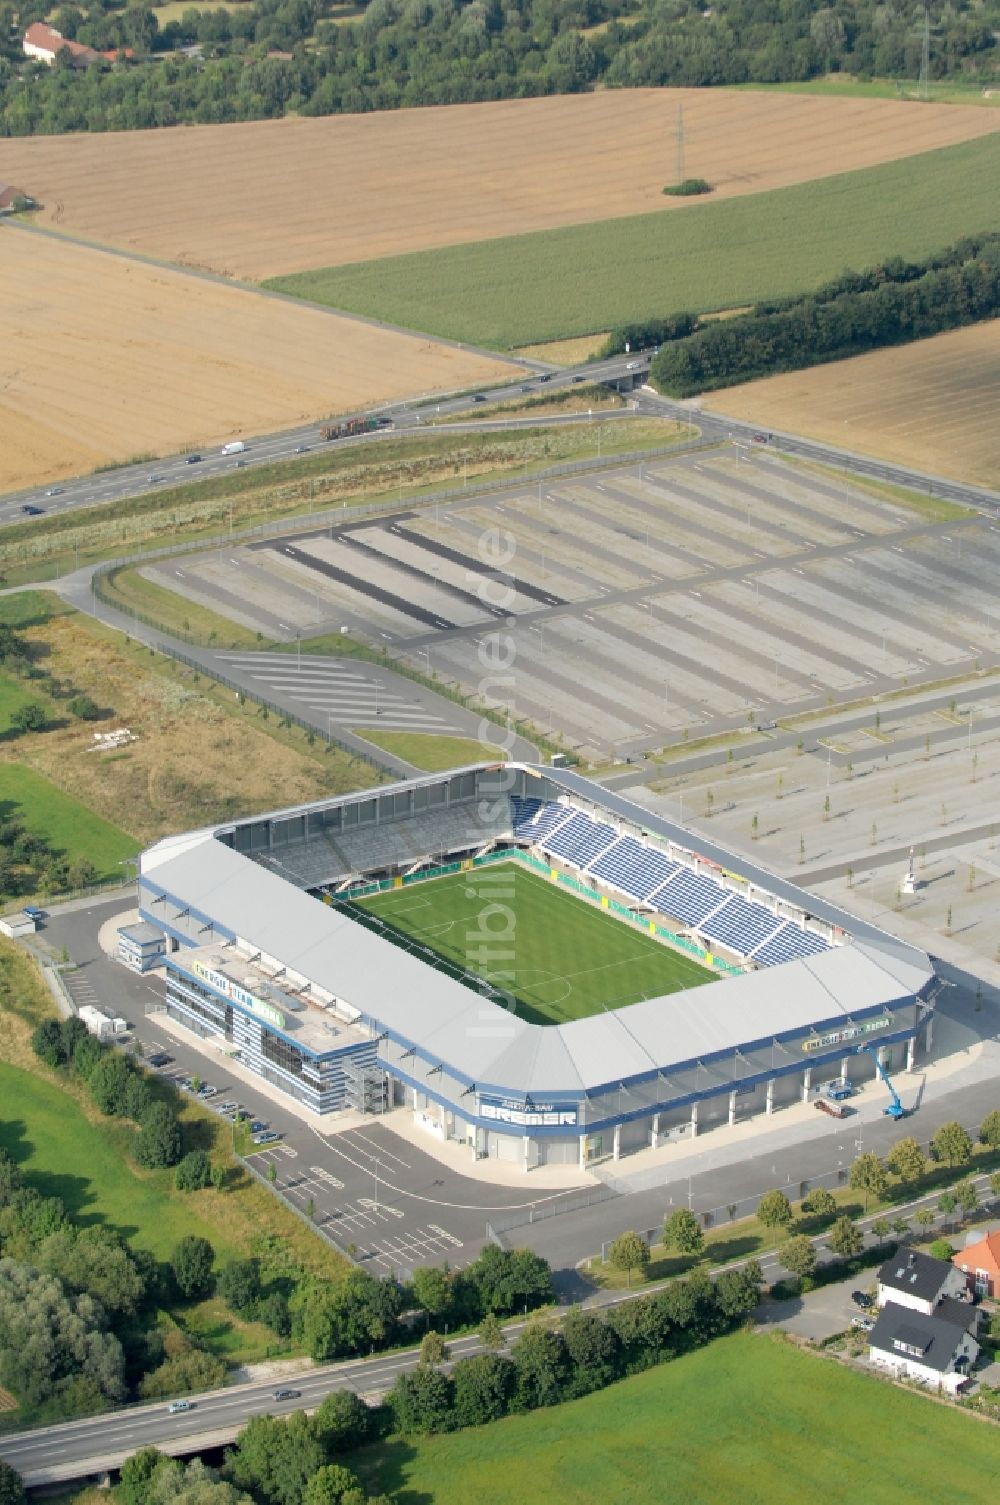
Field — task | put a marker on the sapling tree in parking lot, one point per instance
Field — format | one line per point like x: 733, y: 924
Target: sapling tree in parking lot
x: 682, y: 1231
x: 774, y: 1210
x: 629, y: 1252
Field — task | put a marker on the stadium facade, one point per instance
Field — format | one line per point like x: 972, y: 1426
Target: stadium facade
x: 263, y: 956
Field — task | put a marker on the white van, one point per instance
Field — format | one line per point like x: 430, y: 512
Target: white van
x: 236, y: 448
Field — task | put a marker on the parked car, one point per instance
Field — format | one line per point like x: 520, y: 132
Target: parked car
x: 224, y: 1108
x: 864, y: 1323
x: 287, y: 1394
x: 207, y: 1091
x: 258, y: 1126
x: 159, y: 1059
x: 33, y: 912
x: 268, y: 1137
x: 180, y: 1405
x: 863, y: 1300
x: 186, y: 1084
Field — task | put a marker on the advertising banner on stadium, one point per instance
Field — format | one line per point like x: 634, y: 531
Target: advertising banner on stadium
x: 527, y: 1114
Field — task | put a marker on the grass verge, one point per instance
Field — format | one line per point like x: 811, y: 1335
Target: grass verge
x: 405, y: 468
x: 559, y: 283
x: 747, y: 1418
x: 935, y: 509
x: 431, y: 753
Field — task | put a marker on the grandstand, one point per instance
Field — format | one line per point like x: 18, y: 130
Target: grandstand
x: 342, y: 1015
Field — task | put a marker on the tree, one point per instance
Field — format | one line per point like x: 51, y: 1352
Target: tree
x: 433, y: 1349
x: 845, y: 1238
x: 194, y: 1172
x: 137, y: 1471
x: 491, y: 1333
x: 820, y: 1202
x: 191, y: 1263
x: 989, y: 1130
x: 108, y: 1083
x: 421, y: 1401
x: 47, y: 1043
x: 798, y: 1256
x: 342, y: 1421
x: 83, y: 708
x: 82, y: 873
x: 682, y: 1231
x: 629, y: 1252
x: 946, y: 1206
x: 484, y: 1385
x: 593, y: 1352
x: 240, y: 1285
x: 995, y: 1183
x: 541, y: 1367
x: 906, y: 1160
x: 923, y: 1217
x: 774, y: 1210
x: 868, y: 1175
x: 12, y: 1490
x: 159, y: 1141
x: 432, y: 1289
x: 967, y: 1196
x: 951, y: 1145
x: 329, y: 1485
x: 881, y: 1227
x: 275, y: 1457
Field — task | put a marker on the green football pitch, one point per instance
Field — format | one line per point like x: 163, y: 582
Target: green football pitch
x: 557, y: 956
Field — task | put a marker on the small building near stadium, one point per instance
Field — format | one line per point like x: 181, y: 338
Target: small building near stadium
x: 267, y: 951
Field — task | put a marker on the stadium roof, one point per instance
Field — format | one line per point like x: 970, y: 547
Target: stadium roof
x: 483, y: 1044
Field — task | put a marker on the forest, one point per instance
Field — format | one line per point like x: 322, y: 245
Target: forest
x: 266, y: 58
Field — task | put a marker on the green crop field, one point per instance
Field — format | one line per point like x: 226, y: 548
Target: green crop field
x: 558, y: 283
x: 748, y: 1419
x: 569, y: 959
x: 68, y: 827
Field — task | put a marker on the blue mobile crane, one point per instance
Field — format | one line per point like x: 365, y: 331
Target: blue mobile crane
x: 895, y: 1109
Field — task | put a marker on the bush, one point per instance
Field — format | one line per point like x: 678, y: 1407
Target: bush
x: 194, y: 1172
x: 239, y: 1283
x: 12, y: 1491
x: 688, y: 188
x: 159, y: 1141
x: 941, y: 1249
x: 191, y: 1263
x: 83, y: 708
x: 184, y: 1374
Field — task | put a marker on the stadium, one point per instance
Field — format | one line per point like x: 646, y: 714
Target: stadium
x: 532, y: 965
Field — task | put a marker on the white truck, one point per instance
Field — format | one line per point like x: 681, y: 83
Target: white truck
x: 235, y: 448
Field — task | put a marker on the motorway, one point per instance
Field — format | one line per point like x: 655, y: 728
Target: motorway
x: 134, y: 480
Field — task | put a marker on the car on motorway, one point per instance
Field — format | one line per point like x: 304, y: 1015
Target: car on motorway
x: 32, y: 511
x: 579, y: 378
x: 633, y: 365
x: 287, y: 1394
x: 302, y: 449
x: 193, y: 460
x: 863, y: 1300
x: 152, y: 478
x: 762, y: 438
x: 159, y: 1059
x: 479, y: 397
x: 55, y: 491
x: 180, y: 1405
x: 546, y: 376
x: 239, y: 464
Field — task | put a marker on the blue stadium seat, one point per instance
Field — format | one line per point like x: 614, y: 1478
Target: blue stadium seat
x: 579, y: 840
x: 788, y: 943
x: 634, y: 869
x: 688, y: 896
x: 741, y: 925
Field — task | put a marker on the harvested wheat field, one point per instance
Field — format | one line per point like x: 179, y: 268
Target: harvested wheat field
x: 103, y: 358
x: 931, y: 405
x: 267, y: 198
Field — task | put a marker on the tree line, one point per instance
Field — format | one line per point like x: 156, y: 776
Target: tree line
x: 430, y: 52
x: 890, y: 304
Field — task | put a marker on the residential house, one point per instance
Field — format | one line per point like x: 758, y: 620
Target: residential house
x: 979, y: 1262
x: 935, y: 1351
x: 917, y: 1281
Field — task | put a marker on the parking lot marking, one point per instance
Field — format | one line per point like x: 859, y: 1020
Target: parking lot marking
x: 383, y: 1153
x: 318, y: 1170
x: 443, y: 1233
x: 380, y: 1207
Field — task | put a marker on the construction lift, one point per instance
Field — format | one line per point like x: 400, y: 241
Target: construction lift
x: 895, y: 1109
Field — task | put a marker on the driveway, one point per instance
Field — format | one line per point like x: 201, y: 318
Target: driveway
x: 819, y: 1314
